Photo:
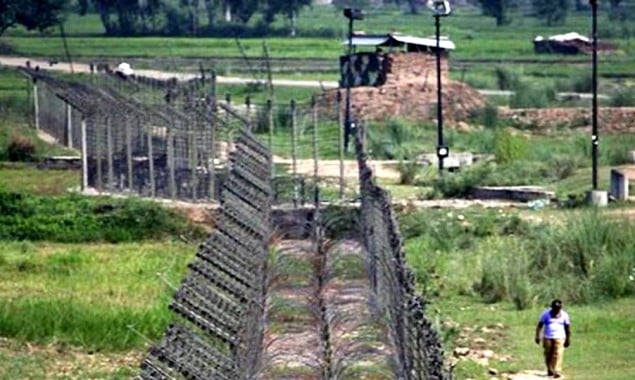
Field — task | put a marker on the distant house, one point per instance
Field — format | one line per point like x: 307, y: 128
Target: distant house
x: 568, y: 43
x: 393, y: 58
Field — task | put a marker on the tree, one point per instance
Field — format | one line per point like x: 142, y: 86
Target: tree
x: 552, y: 11
x: 210, y: 9
x: 40, y: 14
x: 7, y: 14
x: 499, y: 9
x: 132, y: 16
x: 286, y: 7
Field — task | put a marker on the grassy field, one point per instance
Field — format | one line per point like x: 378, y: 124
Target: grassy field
x: 600, y: 347
x: 477, y: 38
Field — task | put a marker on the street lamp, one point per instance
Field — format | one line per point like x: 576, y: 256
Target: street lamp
x: 349, y: 125
x: 440, y: 8
x: 595, y: 138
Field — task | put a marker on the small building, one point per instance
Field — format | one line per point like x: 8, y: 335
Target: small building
x: 393, y: 58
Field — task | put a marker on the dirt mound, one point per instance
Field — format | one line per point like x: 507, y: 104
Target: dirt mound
x: 611, y: 119
x: 413, y: 101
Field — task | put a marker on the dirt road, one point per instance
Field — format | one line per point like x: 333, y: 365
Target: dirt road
x: 85, y: 68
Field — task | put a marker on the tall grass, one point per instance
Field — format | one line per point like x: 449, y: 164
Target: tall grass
x: 587, y: 257
x: 100, y: 297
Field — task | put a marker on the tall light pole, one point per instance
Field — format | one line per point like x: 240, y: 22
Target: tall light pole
x: 440, y: 8
x: 349, y: 124
x: 595, y: 138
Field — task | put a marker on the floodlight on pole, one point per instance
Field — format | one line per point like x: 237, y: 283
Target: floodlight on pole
x: 440, y: 8
x: 349, y: 125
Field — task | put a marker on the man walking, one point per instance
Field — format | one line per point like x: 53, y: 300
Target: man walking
x: 555, y: 338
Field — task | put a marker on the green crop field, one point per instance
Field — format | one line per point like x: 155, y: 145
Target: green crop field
x: 477, y: 38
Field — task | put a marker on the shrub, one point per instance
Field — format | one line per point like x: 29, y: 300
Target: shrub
x: 588, y: 258
x: 624, y: 97
x: 80, y: 219
x: 457, y: 185
x: 505, y: 79
x: 20, y: 149
x: 509, y: 148
x: 529, y: 96
x: 408, y: 171
x: 394, y: 140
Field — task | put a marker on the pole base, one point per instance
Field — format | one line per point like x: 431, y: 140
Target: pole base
x: 598, y: 198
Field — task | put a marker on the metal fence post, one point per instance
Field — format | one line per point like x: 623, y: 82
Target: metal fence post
x: 212, y: 159
x: 129, y: 155
x: 171, y: 159
x: 314, y: 113
x: 294, y: 151
x: 109, y: 154
x: 36, y: 105
x: 84, y: 155
x: 98, y: 133
x: 270, y: 127
x: 153, y: 187
x: 341, y: 143
x: 69, y: 126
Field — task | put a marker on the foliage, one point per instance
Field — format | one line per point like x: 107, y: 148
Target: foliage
x: 506, y: 79
x: 527, y: 95
x: 33, y: 15
x: 509, y: 148
x: 499, y: 9
x: 584, y: 257
x: 20, y: 148
x: 408, y: 171
x: 461, y: 184
x: 98, y: 297
x: 74, y: 218
x: 554, y: 12
x: 394, y: 140
x: 623, y: 97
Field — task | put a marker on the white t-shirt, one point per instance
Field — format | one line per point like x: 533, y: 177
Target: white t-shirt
x: 554, y: 327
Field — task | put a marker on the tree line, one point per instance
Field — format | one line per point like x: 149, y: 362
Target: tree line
x: 553, y: 12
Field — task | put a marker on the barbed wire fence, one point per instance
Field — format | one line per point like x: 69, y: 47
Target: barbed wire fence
x: 170, y: 139
x: 164, y: 138
x: 419, y: 352
x: 217, y: 328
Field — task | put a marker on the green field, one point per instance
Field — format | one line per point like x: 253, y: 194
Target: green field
x: 77, y: 305
x: 477, y: 38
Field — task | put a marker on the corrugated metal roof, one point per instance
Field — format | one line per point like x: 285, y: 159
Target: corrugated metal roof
x: 398, y: 40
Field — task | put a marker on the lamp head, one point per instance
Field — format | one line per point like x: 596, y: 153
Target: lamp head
x: 439, y: 7
x: 353, y: 14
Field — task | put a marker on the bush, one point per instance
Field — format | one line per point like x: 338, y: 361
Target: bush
x: 529, y: 96
x: 74, y: 218
x: 408, y: 171
x: 509, y: 148
x: 589, y: 258
x: 394, y: 140
x: 624, y: 97
x: 505, y: 79
x: 20, y: 148
x: 460, y: 185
